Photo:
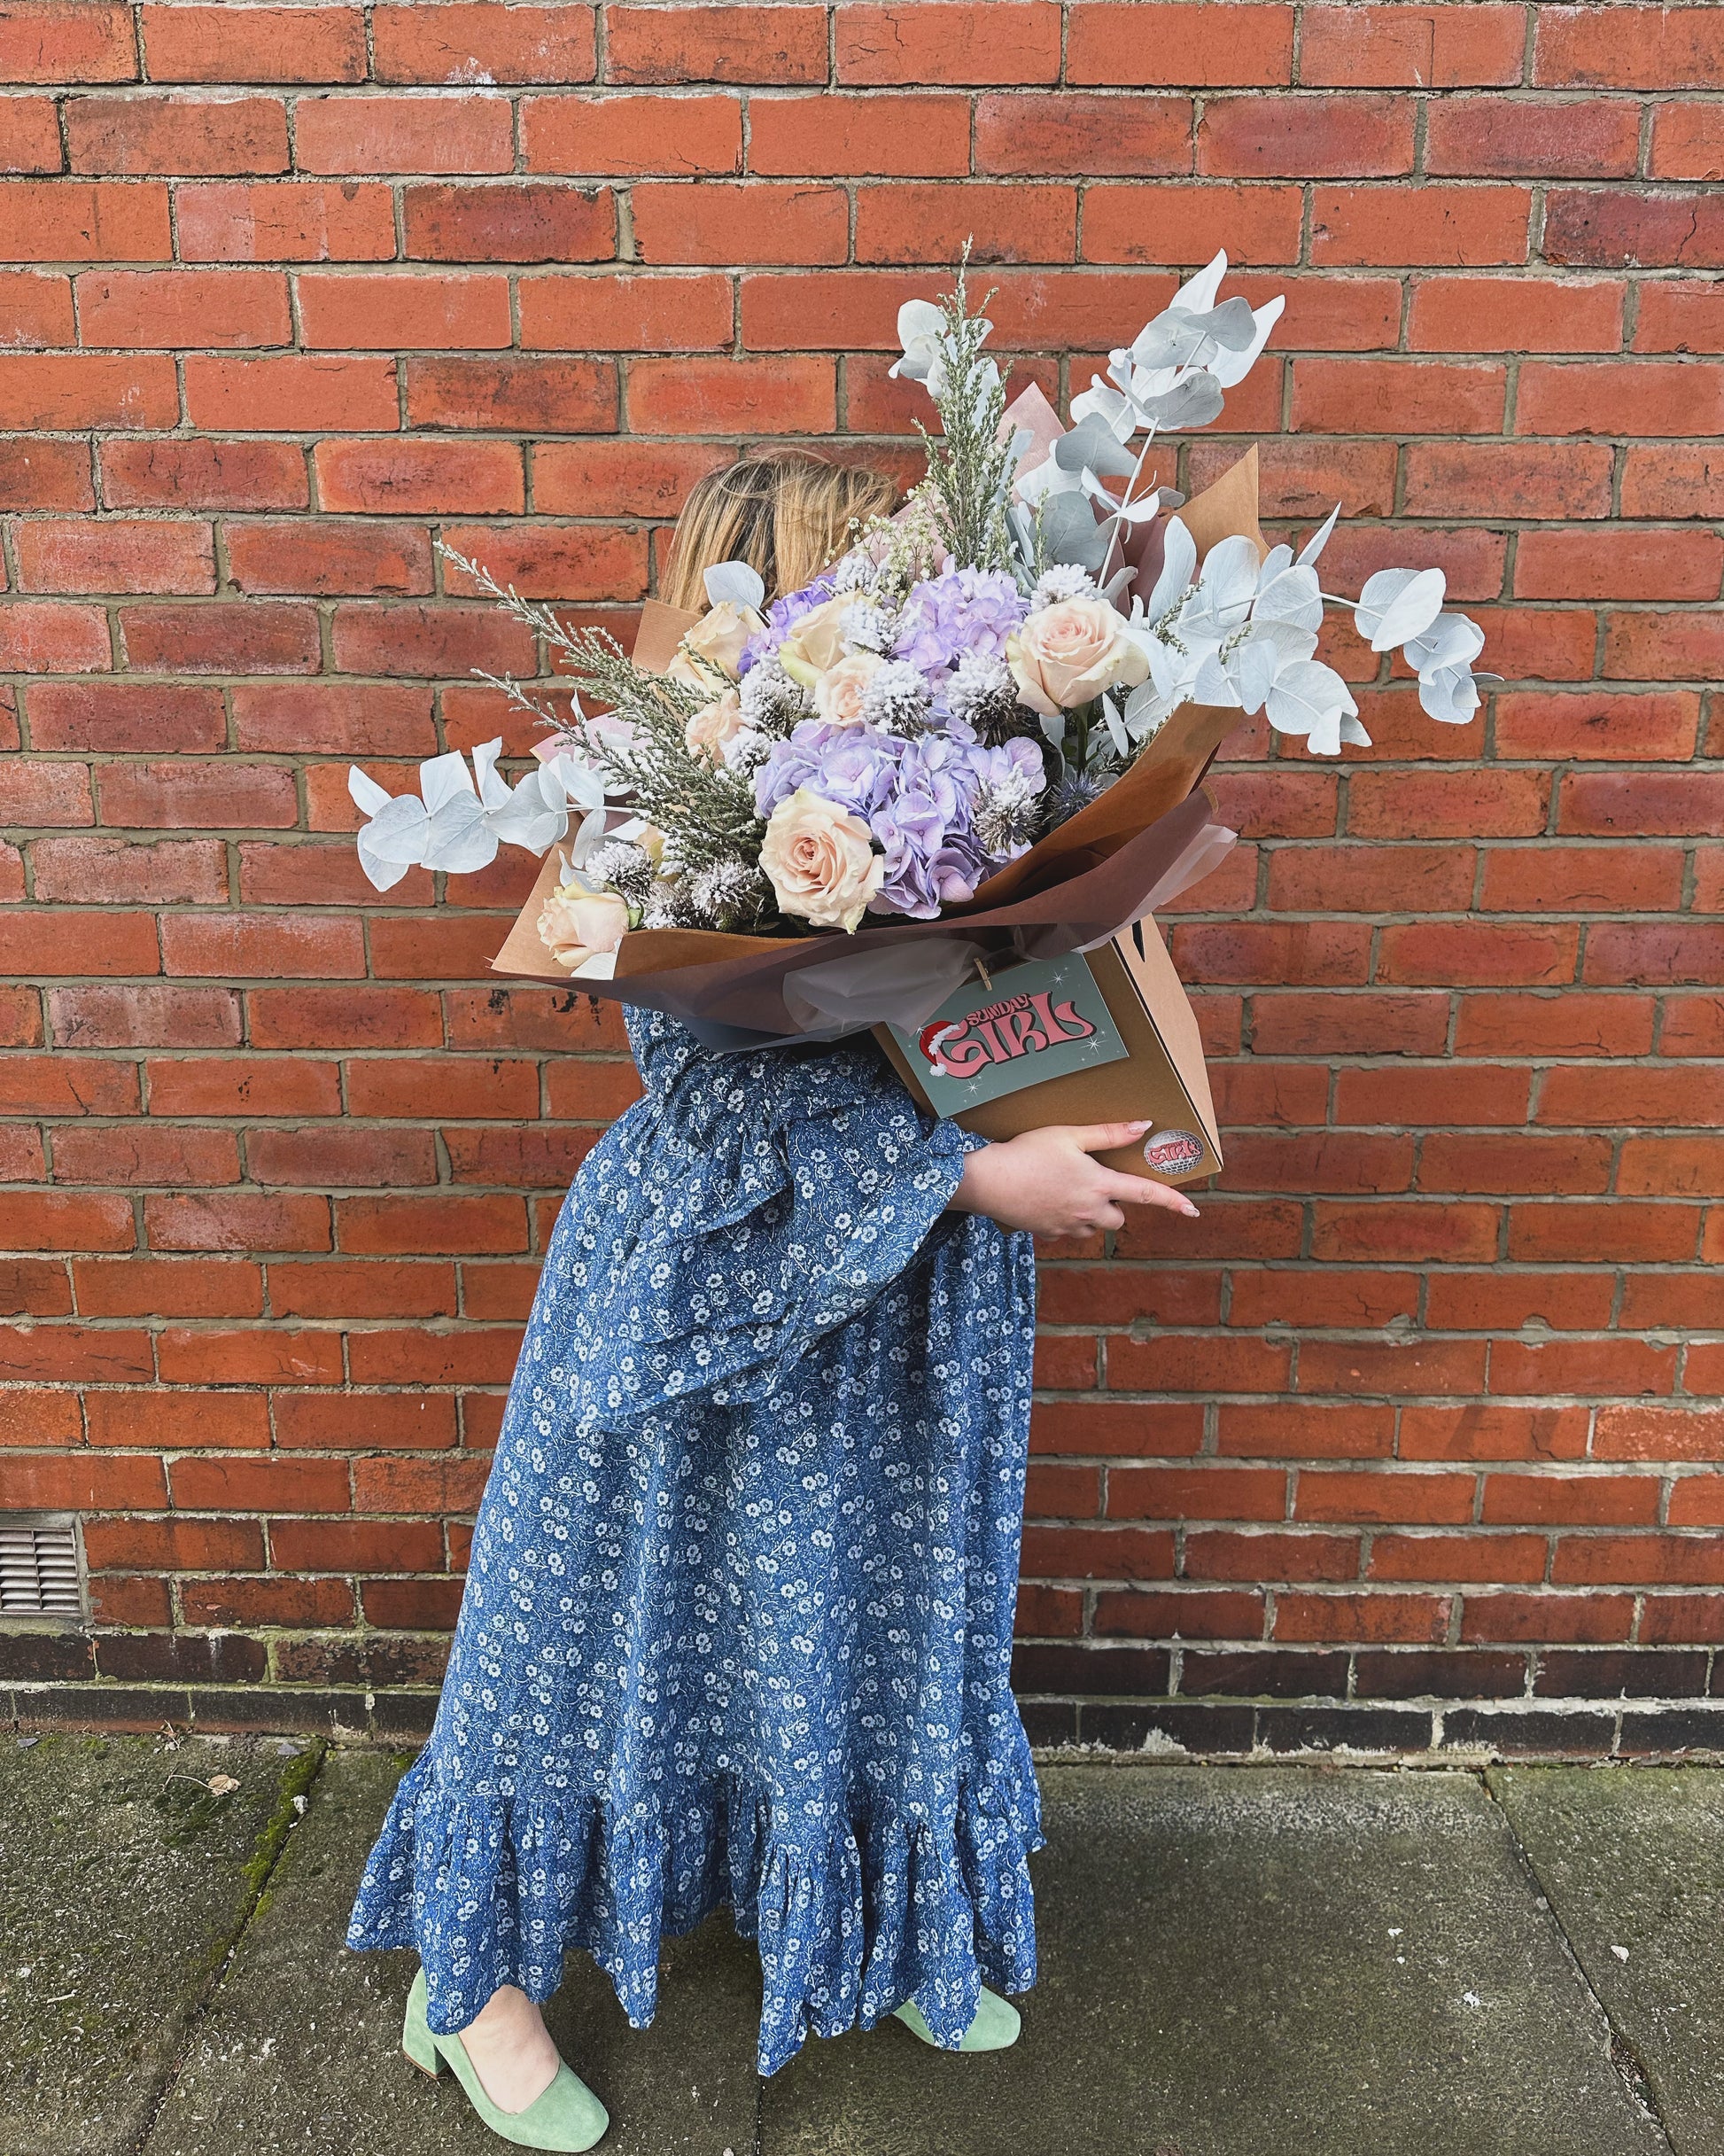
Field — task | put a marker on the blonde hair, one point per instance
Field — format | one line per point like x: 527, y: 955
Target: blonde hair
x: 787, y: 514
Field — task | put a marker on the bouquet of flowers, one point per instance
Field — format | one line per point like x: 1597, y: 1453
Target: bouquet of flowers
x: 985, y: 695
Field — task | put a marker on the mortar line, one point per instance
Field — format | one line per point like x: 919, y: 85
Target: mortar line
x: 218, y: 1975
x: 1625, y: 2061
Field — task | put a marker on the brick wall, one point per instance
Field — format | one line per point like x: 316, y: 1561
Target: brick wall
x: 1422, y: 1418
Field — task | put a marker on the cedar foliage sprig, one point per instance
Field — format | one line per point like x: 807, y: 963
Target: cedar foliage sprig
x: 706, y: 813
x: 969, y: 468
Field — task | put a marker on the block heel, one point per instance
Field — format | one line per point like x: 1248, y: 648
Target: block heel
x: 416, y: 2040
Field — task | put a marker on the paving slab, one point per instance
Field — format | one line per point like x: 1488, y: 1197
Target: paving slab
x: 1632, y: 1859
x: 124, y: 1880
x: 1235, y: 1961
x: 301, y: 2049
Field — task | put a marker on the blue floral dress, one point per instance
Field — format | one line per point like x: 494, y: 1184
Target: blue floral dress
x: 738, y: 1623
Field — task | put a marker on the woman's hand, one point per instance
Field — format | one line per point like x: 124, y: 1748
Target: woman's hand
x: 1046, y: 1180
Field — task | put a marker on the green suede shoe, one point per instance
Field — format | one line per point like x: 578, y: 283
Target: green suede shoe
x: 995, y: 2028
x: 566, y: 2116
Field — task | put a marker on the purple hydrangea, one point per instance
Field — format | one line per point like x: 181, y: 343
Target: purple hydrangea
x: 965, y: 611
x: 782, y: 616
x: 917, y: 796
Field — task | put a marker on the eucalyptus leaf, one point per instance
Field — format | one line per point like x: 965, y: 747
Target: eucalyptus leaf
x: 1070, y: 533
x: 738, y: 582
x: 1397, y: 603
x: 1092, y: 445
x: 1193, y: 401
x: 1319, y: 538
x: 1309, y: 698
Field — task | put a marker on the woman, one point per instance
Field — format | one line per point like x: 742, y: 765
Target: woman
x: 738, y: 1624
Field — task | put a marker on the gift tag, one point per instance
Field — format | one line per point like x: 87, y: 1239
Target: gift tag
x: 1037, y: 1020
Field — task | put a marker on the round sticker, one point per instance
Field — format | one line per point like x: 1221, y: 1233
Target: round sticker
x: 1173, y: 1152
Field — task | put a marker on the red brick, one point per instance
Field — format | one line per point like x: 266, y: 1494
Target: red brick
x: 295, y: 391
x: 1660, y: 955
x: 1571, y: 1500
x: 365, y: 1016
x: 1414, y: 1369
x: 1488, y: 1430
x: 292, y: 556
x: 622, y: 313
x: 1024, y: 222
x: 780, y: 45
x: 426, y: 312
x: 137, y: 1287
x: 356, y: 1545
x: 624, y: 477
x: 143, y: 1017
x: 714, y: 396
x: 35, y: 308
x: 1686, y: 142
x: 1137, y: 224
x: 483, y: 41
x: 1397, y: 396
x: 416, y: 477
x: 1595, y: 1619
x: 464, y: 132
x: 1581, y: 879
x: 1336, y: 1496
x: 724, y: 221
x: 1184, y: 1614
x: 30, y: 134
x: 1457, y: 1558
x: 175, y: 1545
x: 1188, y: 45
x: 75, y: 1483
x: 243, y: 1085
x: 1669, y: 482
x: 189, y: 43
x: 223, y: 636
x: 194, y: 473
x: 1478, y: 137
x: 179, y: 1155
x: 136, y: 555
x: 1628, y: 48
x: 145, y: 133
x: 59, y: 42
x: 1592, y: 1560
x: 1098, y: 1552
x: 1423, y: 48
x: 1353, y: 137
x: 1619, y: 563
x: 1660, y: 1434
x: 273, y: 1355
x: 65, y: 1085
x: 237, y: 1221
x: 1632, y: 230
x: 1634, y: 804
x: 798, y: 138
x: 531, y: 222
x: 1197, y: 1493
x: 617, y: 136
x: 40, y: 792
x: 1374, y: 1616
x: 428, y: 640
x: 949, y: 41
x: 1622, y: 1367
x: 55, y: 1221
x: 1667, y: 397
x: 39, y: 473
x: 1615, y: 1232
x: 1522, y: 479
x: 237, y: 1602
x: 1538, y: 314
x: 291, y: 221
x: 1446, y: 226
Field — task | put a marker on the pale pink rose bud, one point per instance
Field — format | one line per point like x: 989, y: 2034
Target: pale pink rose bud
x: 719, y: 637
x: 577, y: 923
x: 1066, y: 654
x: 713, y: 725
x: 838, y: 691
x: 820, y: 861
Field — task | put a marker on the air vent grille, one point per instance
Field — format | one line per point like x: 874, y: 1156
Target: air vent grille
x: 39, y: 1567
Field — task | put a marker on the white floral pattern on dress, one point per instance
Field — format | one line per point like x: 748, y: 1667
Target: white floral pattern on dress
x: 737, y: 1630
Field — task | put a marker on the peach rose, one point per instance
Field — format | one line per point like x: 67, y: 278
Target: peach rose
x: 578, y: 924
x: 713, y: 725
x: 816, y: 642
x: 1066, y: 654
x: 718, y: 637
x: 838, y: 691
x: 820, y: 861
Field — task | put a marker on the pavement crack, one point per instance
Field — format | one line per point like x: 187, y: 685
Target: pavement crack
x: 296, y: 1784
x: 1626, y: 2062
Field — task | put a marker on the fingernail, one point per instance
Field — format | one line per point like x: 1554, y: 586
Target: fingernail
x: 1191, y: 1213
x: 1144, y: 1125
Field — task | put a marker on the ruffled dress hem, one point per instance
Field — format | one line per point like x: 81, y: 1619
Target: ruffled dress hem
x: 873, y: 1909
